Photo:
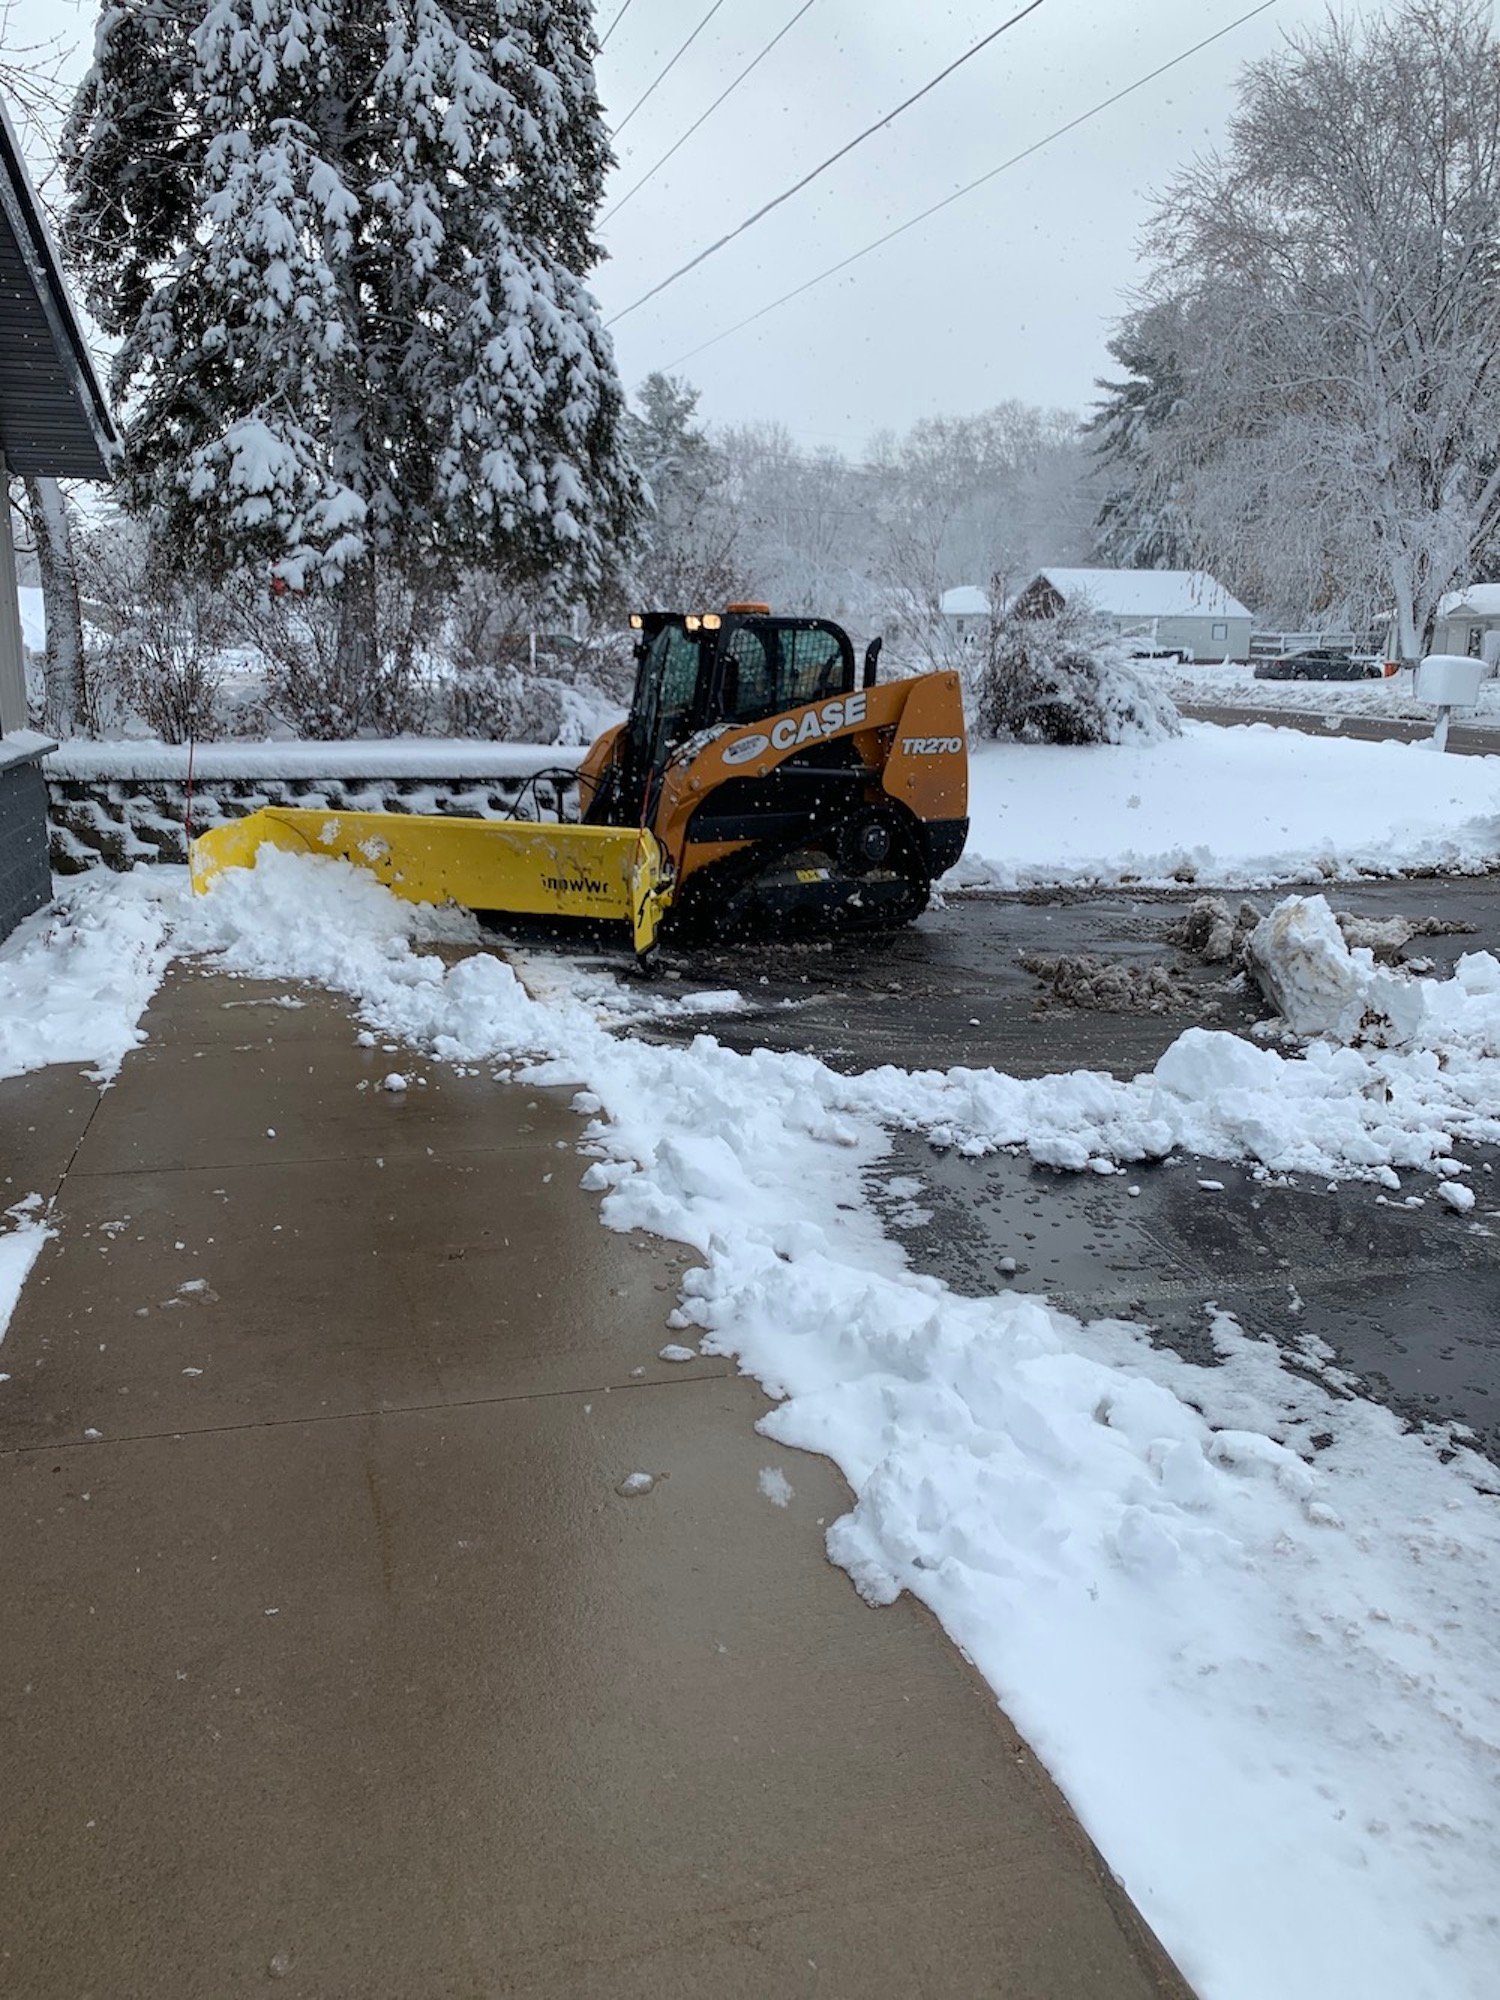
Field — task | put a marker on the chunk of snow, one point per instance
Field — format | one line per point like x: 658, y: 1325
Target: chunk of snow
x: 675, y: 1351
x: 1320, y: 987
x: 1457, y: 1196
x: 774, y: 1483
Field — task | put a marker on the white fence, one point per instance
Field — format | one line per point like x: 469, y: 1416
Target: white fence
x: 1271, y: 645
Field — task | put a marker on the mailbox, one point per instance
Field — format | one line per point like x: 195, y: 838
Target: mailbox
x: 1450, y: 680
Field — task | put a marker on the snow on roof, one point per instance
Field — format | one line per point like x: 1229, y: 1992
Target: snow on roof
x: 1483, y: 599
x: 965, y: 600
x: 1146, y: 593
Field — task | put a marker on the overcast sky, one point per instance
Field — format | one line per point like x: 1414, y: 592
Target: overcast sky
x: 1010, y: 292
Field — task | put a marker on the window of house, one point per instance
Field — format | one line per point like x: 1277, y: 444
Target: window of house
x: 1221, y: 632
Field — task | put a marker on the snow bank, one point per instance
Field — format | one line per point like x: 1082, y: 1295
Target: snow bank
x: 75, y: 979
x: 20, y: 1246
x: 1332, y: 1111
x: 453, y: 760
x: 1263, y: 1671
x: 1233, y: 685
x: 1242, y: 808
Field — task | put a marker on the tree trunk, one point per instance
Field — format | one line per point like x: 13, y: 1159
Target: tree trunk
x: 358, y: 641
x: 64, y: 684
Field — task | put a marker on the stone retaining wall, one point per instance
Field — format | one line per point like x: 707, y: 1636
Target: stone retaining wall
x: 125, y: 820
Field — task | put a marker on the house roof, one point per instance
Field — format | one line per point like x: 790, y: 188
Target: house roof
x: 54, y: 421
x: 1144, y: 593
x: 965, y: 600
x: 1482, y: 600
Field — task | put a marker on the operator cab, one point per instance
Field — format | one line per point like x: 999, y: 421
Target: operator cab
x: 733, y: 667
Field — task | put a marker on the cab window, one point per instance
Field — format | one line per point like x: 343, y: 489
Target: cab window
x: 679, y: 672
x: 812, y: 667
x: 749, y: 677
x: 765, y: 669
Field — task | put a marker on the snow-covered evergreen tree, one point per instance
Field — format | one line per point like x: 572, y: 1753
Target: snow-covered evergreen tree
x: 689, y: 553
x: 1140, y: 523
x: 344, y: 245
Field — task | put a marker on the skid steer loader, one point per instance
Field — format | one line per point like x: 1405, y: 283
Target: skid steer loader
x: 760, y: 778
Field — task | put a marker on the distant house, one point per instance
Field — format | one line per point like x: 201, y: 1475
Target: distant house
x: 54, y: 424
x: 1169, y: 610
x: 966, y: 613
x: 1468, y: 621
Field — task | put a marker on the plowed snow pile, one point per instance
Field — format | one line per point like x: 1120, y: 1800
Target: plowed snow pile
x: 1233, y: 685
x: 1246, y: 1621
x: 1228, y: 808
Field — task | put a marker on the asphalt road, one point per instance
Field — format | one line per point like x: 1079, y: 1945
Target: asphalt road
x: 1407, y: 1301
x: 1465, y: 741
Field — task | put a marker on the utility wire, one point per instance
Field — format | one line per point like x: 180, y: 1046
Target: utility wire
x: 669, y: 68
x: 858, y: 140
x: 614, y: 24
x: 615, y: 207
x: 958, y: 194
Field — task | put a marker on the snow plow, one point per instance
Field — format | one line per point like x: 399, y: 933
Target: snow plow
x: 761, y: 779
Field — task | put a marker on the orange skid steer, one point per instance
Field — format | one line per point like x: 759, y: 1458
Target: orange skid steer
x: 760, y: 781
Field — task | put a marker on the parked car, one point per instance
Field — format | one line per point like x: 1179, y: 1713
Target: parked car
x: 1319, y: 663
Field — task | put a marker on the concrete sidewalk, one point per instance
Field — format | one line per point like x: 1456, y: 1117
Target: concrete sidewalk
x: 335, y: 1664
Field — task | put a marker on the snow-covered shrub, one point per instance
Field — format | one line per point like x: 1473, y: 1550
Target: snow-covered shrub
x: 504, y: 704
x: 514, y: 671
x: 152, y: 642
x: 1067, y: 679
x: 163, y: 664
x: 319, y: 686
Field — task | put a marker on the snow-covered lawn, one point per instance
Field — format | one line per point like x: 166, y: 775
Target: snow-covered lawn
x: 1233, y: 685
x: 1265, y: 1672
x: 1241, y: 808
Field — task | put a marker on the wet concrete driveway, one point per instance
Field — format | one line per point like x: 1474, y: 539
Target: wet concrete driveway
x: 1406, y: 1301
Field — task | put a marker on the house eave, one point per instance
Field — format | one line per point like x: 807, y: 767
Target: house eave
x: 54, y: 420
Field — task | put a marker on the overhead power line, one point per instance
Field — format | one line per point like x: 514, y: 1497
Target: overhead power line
x: 959, y: 193
x: 615, y: 207
x: 832, y: 160
x: 614, y: 24
x: 669, y: 68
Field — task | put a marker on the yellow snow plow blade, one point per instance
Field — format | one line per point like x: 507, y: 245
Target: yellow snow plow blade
x: 510, y: 866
